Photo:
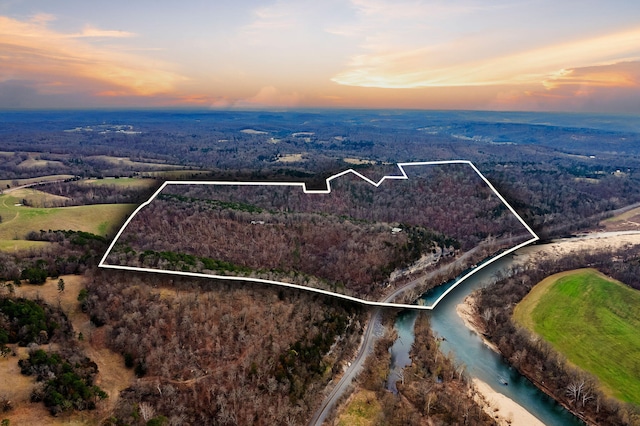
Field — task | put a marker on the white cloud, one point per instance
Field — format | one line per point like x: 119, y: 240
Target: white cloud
x: 435, y: 65
x: 90, y: 31
x: 65, y: 62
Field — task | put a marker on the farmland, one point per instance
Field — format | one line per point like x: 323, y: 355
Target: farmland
x: 18, y: 220
x: 594, y: 321
x: 252, y: 354
x: 121, y: 182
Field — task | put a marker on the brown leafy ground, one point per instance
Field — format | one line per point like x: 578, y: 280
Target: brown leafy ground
x: 17, y: 388
x: 112, y: 377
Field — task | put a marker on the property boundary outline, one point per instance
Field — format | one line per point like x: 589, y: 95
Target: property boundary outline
x: 303, y: 185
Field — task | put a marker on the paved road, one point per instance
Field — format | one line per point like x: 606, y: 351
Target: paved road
x: 366, y: 347
x: 430, y: 275
x: 370, y: 337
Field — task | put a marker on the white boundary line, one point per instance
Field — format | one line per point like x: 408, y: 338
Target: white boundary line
x: 403, y: 175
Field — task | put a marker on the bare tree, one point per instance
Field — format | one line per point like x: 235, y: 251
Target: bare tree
x: 146, y: 411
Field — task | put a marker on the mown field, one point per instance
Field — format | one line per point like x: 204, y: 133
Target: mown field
x: 18, y: 220
x: 121, y: 182
x: 176, y: 174
x: 594, y: 321
x: 126, y: 162
x: 8, y: 183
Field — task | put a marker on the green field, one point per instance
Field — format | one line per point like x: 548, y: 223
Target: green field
x: 20, y: 182
x: 594, y: 321
x: 176, y: 174
x: 18, y: 220
x: 37, y: 198
x: 363, y: 409
x: 122, y: 182
x: 18, y: 245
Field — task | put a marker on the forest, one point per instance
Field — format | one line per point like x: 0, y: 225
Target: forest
x: 218, y: 353
x: 432, y: 390
x: 215, y: 352
x: 351, y: 240
x: 555, y: 182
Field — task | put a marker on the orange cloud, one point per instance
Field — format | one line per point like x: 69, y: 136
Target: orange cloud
x: 32, y: 52
x: 625, y: 74
x: 614, y: 87
x: 435, y: 65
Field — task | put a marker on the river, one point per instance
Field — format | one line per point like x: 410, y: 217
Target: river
x: 467, y: 348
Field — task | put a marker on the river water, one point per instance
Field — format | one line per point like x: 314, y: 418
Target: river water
x: 467, y: 348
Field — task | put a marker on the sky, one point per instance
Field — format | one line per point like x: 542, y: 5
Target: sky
x: 532, y: 55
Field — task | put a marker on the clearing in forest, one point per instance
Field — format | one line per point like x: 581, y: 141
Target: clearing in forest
x: 358, y: 239
x: 11, y: 183
x: 594, y: 321
x: 17, y: 219
x: 120, y: 182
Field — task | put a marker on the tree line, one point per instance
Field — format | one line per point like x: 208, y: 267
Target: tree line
x: 535, y: 358
x: 220, y: 352
x: 64, y: 376
x: 432, y: 390
x: 350, y: 240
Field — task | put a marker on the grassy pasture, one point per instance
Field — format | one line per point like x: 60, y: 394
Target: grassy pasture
x: 362, y: 409
x: 113, y: 375
x: 5, y: 182
x: 629, y: 220
x: 624, y: 216
x: 19, y: 245
x: 121, y: 182
x: 37, y: 198
x: 18, y: 221
x: 123, y: 161
x: 594, y: 321
x: 177, y: 174
x: 31, y: 163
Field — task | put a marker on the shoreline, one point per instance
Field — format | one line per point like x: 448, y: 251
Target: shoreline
x: 504, y: 410
x: 467, y: 311
x: 501, y: 408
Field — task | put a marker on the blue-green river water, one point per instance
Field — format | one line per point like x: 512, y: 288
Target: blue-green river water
x: 468, y: 348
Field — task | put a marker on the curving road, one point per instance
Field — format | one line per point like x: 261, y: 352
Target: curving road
x: 366, y: 347
x: 370, y: 336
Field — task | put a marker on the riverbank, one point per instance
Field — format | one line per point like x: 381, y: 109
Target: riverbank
x: 467, y: 311
x: 591, y: 242
x: 504, y: 410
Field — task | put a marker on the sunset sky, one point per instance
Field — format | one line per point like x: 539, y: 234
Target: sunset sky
x: 245, y: 54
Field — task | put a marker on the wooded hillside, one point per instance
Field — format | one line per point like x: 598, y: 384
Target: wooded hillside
x: 349, y: 241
